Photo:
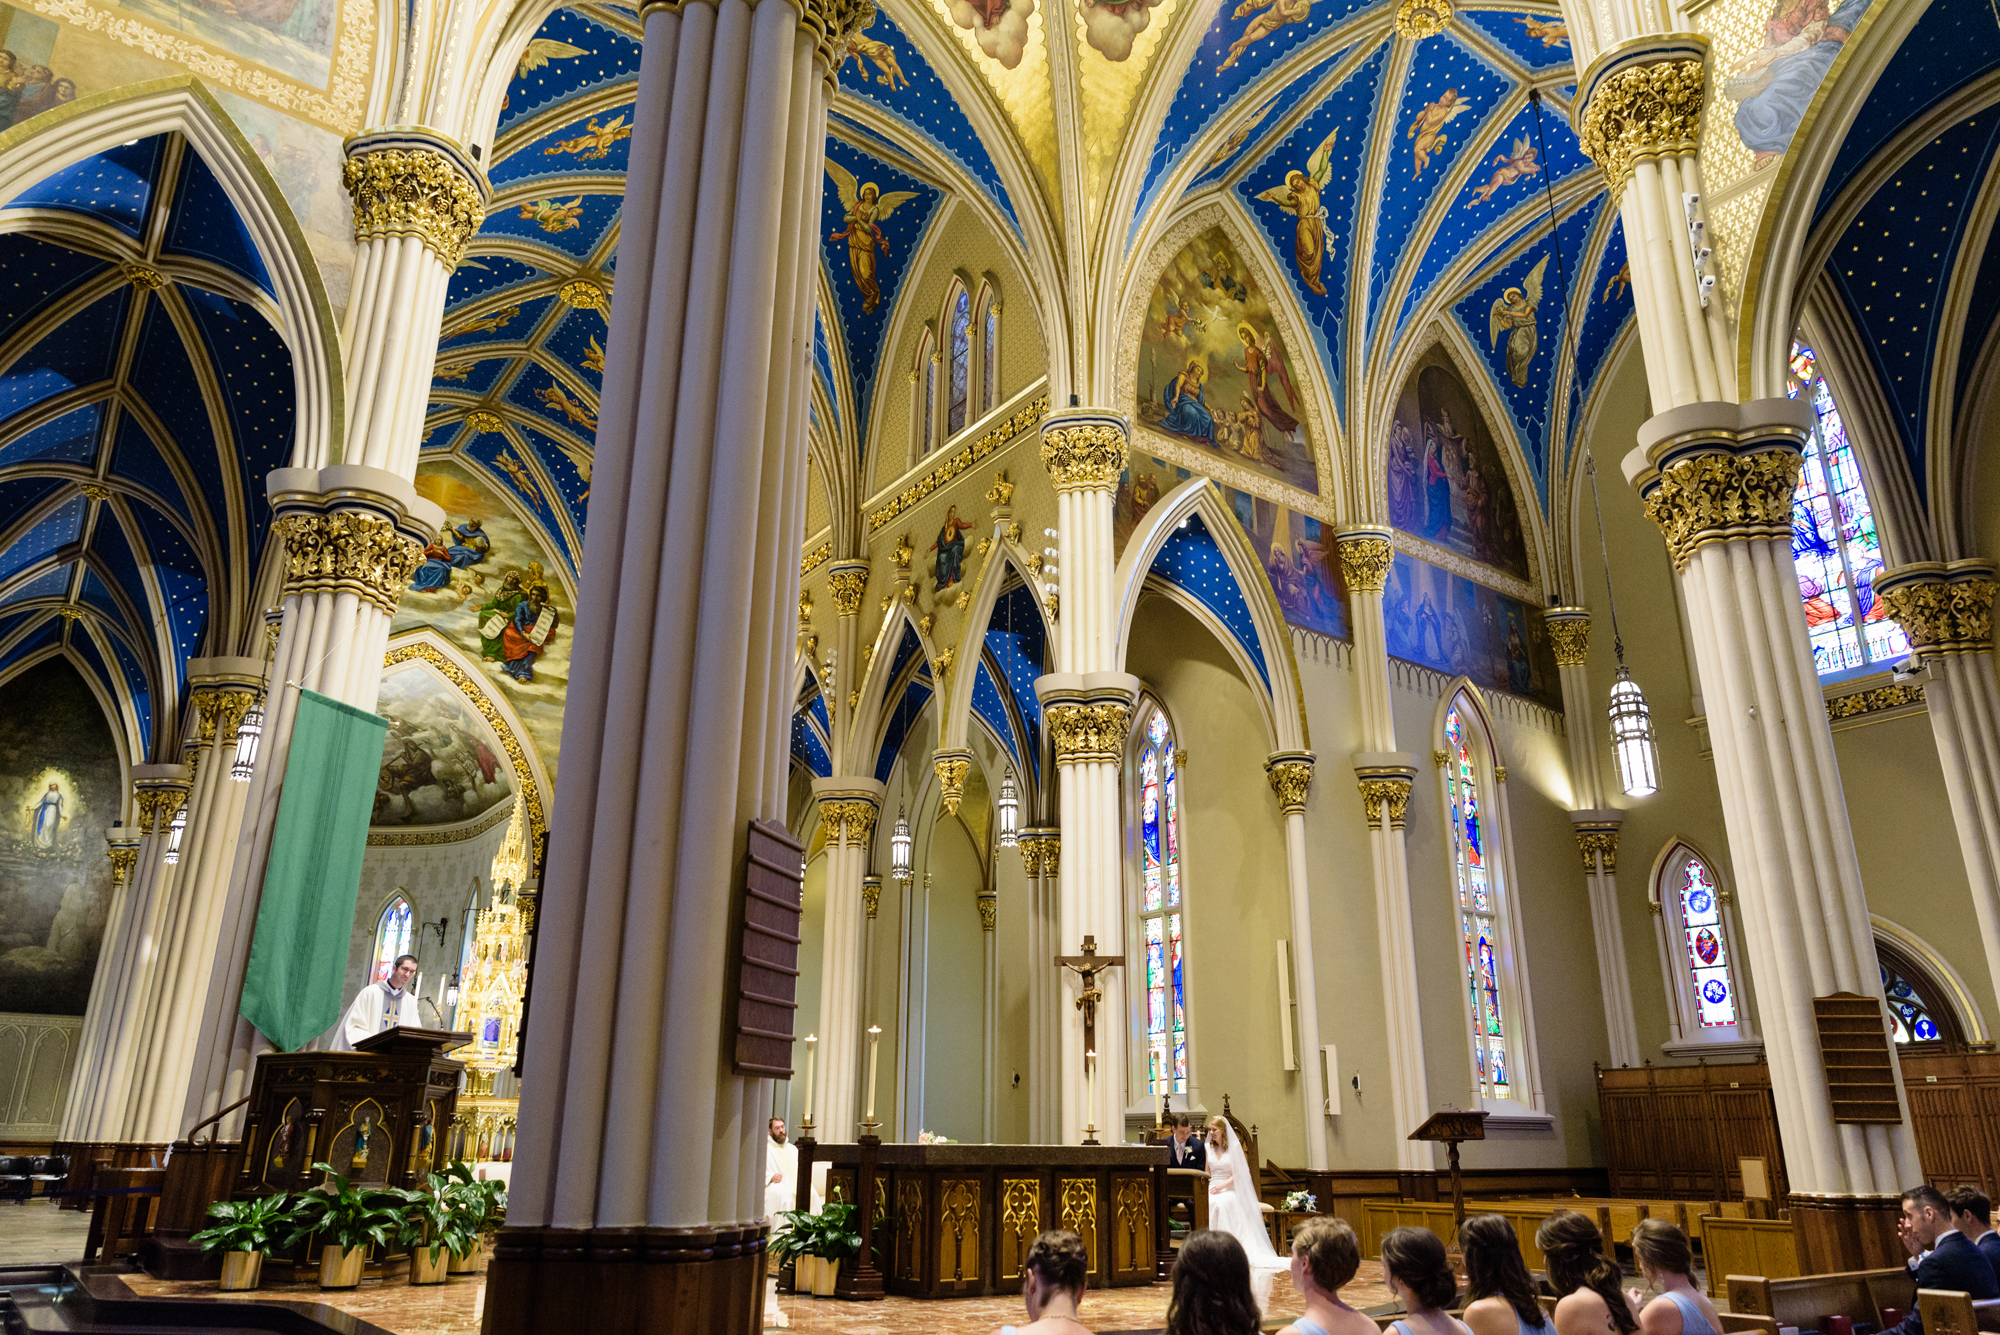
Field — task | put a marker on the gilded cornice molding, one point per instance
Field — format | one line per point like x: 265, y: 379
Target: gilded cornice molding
x: 951, y: 768
x: 415, y: 189
x: 1723, y: 497
x: 358, y: 553
x: 1084, y: 450
x: 944, y: 472
x: 1944, y: 609
x: 1365, y: 558
x: 1874, y: 701
x: 1291, y: 775
x: 1086, y: 731
x: 1569, y: 634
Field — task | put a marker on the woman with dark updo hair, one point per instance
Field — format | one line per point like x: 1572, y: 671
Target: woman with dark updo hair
x: 1053, y: 1276
x: 1416, y: 1270
x: 1573, y: 1254
x: 1212, y: 1288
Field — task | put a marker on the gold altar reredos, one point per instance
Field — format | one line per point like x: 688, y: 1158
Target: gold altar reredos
x: 491, y: 996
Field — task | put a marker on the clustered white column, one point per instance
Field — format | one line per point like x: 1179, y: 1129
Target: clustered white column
x: 847, y: 812
x: 1718, y: 479
x: 1041, y: 858
x: 1385, y: 775
x: 100, y: 1090
x: 1947, y: 611
x: 1088, y: 709
x: 1291, y: 775
x: 680, y: 694
x: 1596, y: 828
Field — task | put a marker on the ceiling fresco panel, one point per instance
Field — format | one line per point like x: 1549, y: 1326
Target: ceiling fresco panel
x: 599, y: 142
x: 1539, y: 40
x: 1447, y: 483
x: 49, y: 534
x: 442, y: 762
x: 570, y: 53
x: 569, y: 216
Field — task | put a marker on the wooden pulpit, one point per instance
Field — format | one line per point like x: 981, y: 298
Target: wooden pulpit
x: 1450, y: 1127
x: 374, y: 1114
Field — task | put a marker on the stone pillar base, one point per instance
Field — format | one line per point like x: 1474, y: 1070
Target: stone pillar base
x: 1835, y: 1234
x: 705, y: 1280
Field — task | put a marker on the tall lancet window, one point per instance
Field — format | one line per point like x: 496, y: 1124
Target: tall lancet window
x: 961, y: 363
x: 989, y: 380
x: 1160, y: 910
x: 1706, y: 957
x: 1478, y: 910
x: 1833, y: 540
x: 392, y: 937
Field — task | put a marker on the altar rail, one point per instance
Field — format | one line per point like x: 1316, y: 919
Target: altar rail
x: 1678, y: 1131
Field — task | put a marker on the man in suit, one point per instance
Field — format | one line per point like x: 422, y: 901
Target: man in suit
x: 1185, y: 1148
x: 1950, y: 1261
x: 1972, y: 1215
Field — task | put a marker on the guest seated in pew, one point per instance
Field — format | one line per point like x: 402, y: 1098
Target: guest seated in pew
x: 1325, y: 1255
x: 1500, y: 1292
x: 1587, y: 1282
x: 1416, y: 1270
x: 1948, y: 1258
x: 1972, y: 1215
x: 1667, y: 1261
x: 1052, y: 1285
x: 1212, y: 1288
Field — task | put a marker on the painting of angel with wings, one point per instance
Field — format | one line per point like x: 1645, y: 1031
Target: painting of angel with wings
x: 1513, y: 314
x: 595, y: 142
x: 1427, y: 128
x: 1507, y: 169
x: 866, y: 206
x: 1300, y: 196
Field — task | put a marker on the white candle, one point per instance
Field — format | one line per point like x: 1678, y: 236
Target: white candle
x: 812, y: 1046
x: 1090, y: 1090
x: 874, y: 1038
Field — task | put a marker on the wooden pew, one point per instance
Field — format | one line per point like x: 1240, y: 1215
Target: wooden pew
x: 1806, y: 1301
x: 1755, y: 1247
x: 1378, y: 1217
x: 1948, y: 1312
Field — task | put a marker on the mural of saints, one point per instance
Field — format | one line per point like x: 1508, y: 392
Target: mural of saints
x: 1300, y: 195
x: 866, y: 205
x: 950, y: 549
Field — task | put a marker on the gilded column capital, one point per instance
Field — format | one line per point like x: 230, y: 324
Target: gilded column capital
x: 415, y: 183
x: 348, y: 551
x: 1088, y: 730
x: 988, y: 911
x: 871, y: 895
x: 1723, y: 497
x: 1366, y: 553
x: 157, y: 801
x: 1643, y: 99
x: 1385, y: 794
x: 951, y: 768
x: 848, y: 581
x: 220, y: 710
x: 1052, y: 854
x: 1291, y: 776
x: 1569, y: 634
x: 124, y: 856
x: 847, y: 819
x: 1597, y: 838
x: 1084, y: 449
x: 1944, y: 609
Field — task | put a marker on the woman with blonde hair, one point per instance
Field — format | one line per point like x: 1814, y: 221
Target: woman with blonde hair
x: 1667, y: 1261
x: 1325, y: 1256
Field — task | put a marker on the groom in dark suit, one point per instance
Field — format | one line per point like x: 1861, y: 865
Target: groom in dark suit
x: 1951, y: 1261
x: 1972, y: 1215
x: 1186, y: 1149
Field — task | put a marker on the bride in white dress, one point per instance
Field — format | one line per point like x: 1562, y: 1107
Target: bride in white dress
x: 1233, y: 1207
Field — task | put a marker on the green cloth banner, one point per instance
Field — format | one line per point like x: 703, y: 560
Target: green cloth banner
x: 298, y: 960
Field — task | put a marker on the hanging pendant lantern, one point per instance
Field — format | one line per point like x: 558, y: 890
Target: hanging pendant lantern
x: 1010, y: 811
x: 247, y: 735
x: 1632, y: 737
x: 174, y: 832
x: 899, y: 849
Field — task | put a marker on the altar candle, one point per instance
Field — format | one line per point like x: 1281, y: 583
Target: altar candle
x: 1090, y: 1090
x: 874, y: 1038
x: 812, y: 1046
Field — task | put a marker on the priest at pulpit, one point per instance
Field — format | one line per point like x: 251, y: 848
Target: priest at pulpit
x: 382, y: 1005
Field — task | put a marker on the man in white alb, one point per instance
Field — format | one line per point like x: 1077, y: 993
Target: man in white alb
x: 383, y: 1005
x: 781, y: 1176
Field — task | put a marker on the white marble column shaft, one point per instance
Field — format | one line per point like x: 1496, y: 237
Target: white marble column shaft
x: 848, y: 809
x: 1291, y: 779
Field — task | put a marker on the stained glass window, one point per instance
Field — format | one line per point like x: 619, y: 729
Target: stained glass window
x: 1705, y: 938
x: 1834, y: 543
x: 1908, y: 1010
x: 392, y: 937
x: 930, y: 400
x: 989, y: 380
x: 1478, y: 911
x: 961, y: 362
x: 1160, y: 911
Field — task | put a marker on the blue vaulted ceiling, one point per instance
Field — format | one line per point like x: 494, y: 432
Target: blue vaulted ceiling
x: 521, y: 360
x: 145, y: 393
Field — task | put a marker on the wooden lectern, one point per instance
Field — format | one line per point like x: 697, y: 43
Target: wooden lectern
x: 1451, y: 1127
x: 374, y: 1114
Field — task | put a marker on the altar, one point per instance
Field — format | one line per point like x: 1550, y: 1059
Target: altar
x: 957, y: 1220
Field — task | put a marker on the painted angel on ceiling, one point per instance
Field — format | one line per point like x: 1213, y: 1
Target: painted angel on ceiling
x: 1507, y: 169
x: 866, y: 206
x: 1513, y: 314
x: 1277, y: 13
x: 1300, y: 196
x: 1427, y: 127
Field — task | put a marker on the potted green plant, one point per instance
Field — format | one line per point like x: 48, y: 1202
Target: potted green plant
x: 243, y: 1231
x: 836, y: 1238
x: 436, y: 1225
x: 796, y: 1230
x: 485, y: 1204
x: 347, y: 1219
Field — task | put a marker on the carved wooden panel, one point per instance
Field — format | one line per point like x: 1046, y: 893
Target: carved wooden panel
x: 1076, y: 1199
x: 1131, y: 1227
x: 768, y: 978
x: 1020, y: 1223
x: 910, y: 1233
x: 958, y: 1235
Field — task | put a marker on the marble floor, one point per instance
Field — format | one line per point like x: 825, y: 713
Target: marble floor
x: 38, y: 1232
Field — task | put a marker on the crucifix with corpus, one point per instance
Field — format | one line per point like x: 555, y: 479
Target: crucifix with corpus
x: 1088, y: 965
